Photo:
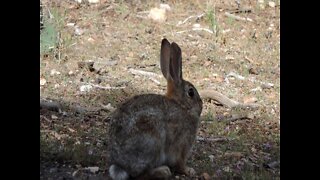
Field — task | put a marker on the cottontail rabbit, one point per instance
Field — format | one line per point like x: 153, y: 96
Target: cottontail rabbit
x: 151, y: 134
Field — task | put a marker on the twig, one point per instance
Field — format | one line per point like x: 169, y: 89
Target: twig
x: 104, y: 87
x: 237, y: 17
x: 236, y: 117
x: 154, y: 80
x: 250, y: 60
x: 144, y: 73
x: 202, y: 29
x: 196, y: 29
x: 250, y: 79
x: 242, y: 10
x: 45, y: 118
x: 211, y: 94
x: 184, y: 21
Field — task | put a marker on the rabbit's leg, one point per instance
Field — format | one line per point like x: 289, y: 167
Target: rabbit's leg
x: 162, y: 172
x: 181, y: 167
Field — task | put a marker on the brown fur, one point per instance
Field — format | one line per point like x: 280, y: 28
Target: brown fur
x: 151, y: 134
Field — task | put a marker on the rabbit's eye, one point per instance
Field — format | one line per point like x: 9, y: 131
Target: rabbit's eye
x: 191, y: 92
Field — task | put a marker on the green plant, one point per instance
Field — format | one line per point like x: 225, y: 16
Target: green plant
x: 211, y: 18
x: 48, y: 38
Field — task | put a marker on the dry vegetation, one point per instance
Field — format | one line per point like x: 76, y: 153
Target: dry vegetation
x: 236, y: 56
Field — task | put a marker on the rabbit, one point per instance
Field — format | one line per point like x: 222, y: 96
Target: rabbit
x: 151, y: 134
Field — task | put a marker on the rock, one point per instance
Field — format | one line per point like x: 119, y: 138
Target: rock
x: 92, y: 169
x: 54, y: 72
x: 267, y: 85
x: 165, y: 7
x: 70, y: 24
x: 43, y: 81
x: 78, y: 31
x: 272, y: 4
x: 261, y: 4
x: 158, y: 15
x: 211, y: 157
x: 196, y: 25
x: 85, y: 88
x: 93, y: 1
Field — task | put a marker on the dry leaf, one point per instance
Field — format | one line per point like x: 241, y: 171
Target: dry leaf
x: 205, y: 176
x: 248, y: 100
x: 237, y: 155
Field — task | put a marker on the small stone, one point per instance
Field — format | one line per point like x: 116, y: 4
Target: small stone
x: 54, y: 72
x: 71, y: 73
x: 93, y: 1
x: 165, y: 7
x: 211, y: 157
x: 267, y: 86
x: 93, y: 169
x: 272, y: 4
x: 158, y: 15
x: 196, y: 25
x: 85, y: 88
x: 43, y: 81
x: 78, y: 31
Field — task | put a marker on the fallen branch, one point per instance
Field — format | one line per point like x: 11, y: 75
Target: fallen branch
x: 236, y: 117
x: 202, y: 29
x: 225, y: 101
x: 196, y: 29
x: 104, y: 87
x: 250, y: 60
x: 45, y: 118
x: 237, y: 17
x: 242, y: 10
x: 219, y: 139
x: 184, y: 21
x: 144, y: 73
x: 232, y: 74
x: 154, y: 80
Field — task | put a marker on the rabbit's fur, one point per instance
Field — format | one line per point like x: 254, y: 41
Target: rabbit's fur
x: 151, y: 134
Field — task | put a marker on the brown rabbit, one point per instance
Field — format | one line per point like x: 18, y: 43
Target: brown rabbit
x: 151, y: 134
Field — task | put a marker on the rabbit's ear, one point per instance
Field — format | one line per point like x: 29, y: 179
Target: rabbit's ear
x: 175, y: 63
x: 165, y: 58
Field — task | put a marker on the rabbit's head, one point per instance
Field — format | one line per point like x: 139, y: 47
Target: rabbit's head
x: 178, y: 89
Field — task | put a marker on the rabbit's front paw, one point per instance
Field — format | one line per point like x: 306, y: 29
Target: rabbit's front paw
x: 189, y: 171
x: 161, y: 172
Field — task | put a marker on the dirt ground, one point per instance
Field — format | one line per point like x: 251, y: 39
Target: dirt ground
x: 88, y: 72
